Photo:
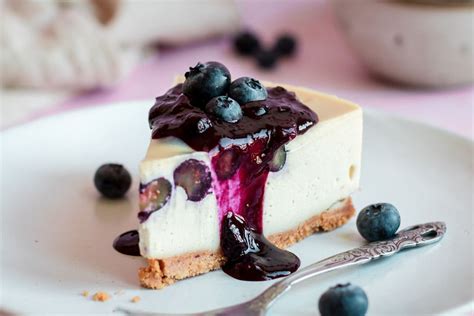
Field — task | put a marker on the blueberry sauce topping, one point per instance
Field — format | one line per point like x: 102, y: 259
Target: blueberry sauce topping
x: 285, y: 117
x: 250, y: 256
x: 127, y: 243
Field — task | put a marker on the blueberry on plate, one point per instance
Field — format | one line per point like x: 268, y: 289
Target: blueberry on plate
x: 206, y: 81
x: 343, y: 300
x: 246, y: 89
x: 266, y: 59
x: 285, y: 45
x: 112, y: 180
x: 246, y: 43
x: 225, y: 109
x: 378, y: 221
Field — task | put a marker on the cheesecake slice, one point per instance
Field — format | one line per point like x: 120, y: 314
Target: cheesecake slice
x: 187, y: 191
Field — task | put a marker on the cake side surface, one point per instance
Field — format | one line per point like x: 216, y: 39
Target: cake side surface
x: 163, y: 272
x: 322, y: 167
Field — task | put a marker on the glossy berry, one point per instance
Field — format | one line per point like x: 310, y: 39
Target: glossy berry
x: 225, y: 109
x: 285, y: 45
x: 343, y: 300
x: 279, y: 159
x: 378, y: 221
x: 266, y: 59
x: 246, y: 89
x: 206, y: 81
x: 246, y: 43
x: 153, y: 196
x: 194, y: 177
x: 112, y: 180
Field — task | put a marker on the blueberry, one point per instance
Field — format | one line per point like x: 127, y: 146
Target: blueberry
x: 194, y: 177
x: 112, y: 180
x: 206, y: 81
x: 285, y: 45
x: 246, y: 43
x: 279, y: 159
x: 225, y: 109
x: 245, y: 89
x: 227, y: 162
x: 343, y: 300
x: 378, y: 221
x: 266, y: 59
x: 153, y: 196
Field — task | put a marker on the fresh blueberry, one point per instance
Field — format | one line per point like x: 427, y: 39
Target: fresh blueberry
x: 206, y: 81
x: 153, y: 196
x: 224, y: 108
x: 246, y: 43
x: 285, y: 45
x: 279, y: 159
x: 378, y: 221
x: 112, y: 180
x: 245, y: 89
x: 343, y: 300
x: 194, y: 177
x: 266, y: 59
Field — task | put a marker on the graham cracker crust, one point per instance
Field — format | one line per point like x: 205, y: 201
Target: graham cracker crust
x: 163, y: 272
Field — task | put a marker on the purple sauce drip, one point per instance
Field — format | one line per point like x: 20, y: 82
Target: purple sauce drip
x: 285, y: 117
x: 250, y: 256
x: 243, y: 193
x: 127, y: 243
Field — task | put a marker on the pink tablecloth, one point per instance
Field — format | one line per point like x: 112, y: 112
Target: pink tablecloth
x: 324, y: 62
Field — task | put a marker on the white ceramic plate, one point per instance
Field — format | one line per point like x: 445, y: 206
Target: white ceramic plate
x: 56, y: 234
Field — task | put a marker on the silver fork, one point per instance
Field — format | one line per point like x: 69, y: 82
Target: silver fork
x: 413, y: 236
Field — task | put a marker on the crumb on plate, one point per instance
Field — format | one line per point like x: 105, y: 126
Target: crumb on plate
x: 136, y: 299
x: 101, y: 297
x: 85, y: 293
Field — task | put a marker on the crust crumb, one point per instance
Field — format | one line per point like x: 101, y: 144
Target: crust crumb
x: 101, y: 297
x: 135, y: 299
x: 85, y: 293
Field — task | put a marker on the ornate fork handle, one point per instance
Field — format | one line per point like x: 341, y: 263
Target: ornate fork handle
x: 410, y: 237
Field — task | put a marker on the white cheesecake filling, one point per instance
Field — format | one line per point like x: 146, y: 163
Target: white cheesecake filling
x: 322, y: 167
x: 180, y: 223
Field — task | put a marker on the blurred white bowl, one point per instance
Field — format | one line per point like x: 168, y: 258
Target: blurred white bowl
x: 417, y: 44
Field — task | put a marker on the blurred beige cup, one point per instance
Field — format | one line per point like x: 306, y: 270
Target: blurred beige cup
x: 416, y: 42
